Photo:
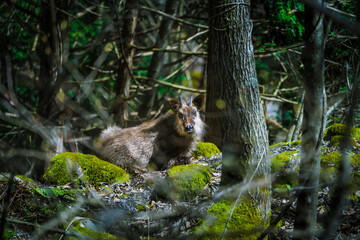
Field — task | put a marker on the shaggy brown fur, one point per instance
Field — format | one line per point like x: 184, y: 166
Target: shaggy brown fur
x: 171, y: 137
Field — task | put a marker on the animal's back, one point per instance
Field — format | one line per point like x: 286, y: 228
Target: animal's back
x: 127, y: 148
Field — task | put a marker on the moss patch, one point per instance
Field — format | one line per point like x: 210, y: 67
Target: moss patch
x: 339, y: 129
x: 91, y: 233
x: 285, y: 144
x: 205, y: 149
x: 187, y: 182
x: 246, y: 223
x: 284, y: 168
x: 94, y: 169
x: 337, y: 140
x: 355, y: 160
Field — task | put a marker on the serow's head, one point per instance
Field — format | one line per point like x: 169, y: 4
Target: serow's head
x: 187, y: 114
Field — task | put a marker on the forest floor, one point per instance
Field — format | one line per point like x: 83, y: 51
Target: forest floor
x: 132, y: 210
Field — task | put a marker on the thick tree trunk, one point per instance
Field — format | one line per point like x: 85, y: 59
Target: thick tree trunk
x: 313, y: 124
x: 157, y: 60
x: 234, y: 113
x: 122, y: 85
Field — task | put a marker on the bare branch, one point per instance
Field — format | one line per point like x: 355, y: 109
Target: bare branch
x: 174, y: 18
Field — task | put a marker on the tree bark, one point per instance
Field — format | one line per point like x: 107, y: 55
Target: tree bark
x: 157, y: 60
x: 313, y: 124
x: 234, y: 113
x: 122, y: 85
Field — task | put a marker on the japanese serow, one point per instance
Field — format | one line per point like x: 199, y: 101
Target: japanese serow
x: 169, y: 139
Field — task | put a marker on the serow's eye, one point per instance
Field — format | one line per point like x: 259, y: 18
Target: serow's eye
x: 181, y: 116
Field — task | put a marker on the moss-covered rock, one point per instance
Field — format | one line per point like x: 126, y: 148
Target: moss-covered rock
x: 246, y: 222
x: 329, y: 166
x: 337, y: 140
x: 86, y: 230
x: 205, y: 149
x: 284, y: 168
x: 286, y: 144
x: 339, y: 129
x: 187, y: 182
x: 63, y: 166
x: 355, y: 160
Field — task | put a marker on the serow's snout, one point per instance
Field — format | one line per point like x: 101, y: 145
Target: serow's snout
x: 189, y: 128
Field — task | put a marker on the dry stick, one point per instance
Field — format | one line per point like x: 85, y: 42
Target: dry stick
x: 174, y: 85
x: 282, y: 214
x: 298, y: 112
x: 168, y: 50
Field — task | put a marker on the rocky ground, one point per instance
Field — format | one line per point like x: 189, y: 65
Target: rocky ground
x: 134, y: 210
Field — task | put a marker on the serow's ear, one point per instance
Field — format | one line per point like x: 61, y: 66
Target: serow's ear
x: 174, y: 104
x: 198, y: 102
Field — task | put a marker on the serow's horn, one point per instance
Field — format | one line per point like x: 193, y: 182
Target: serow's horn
x: 190, y: 103
x: 181, y: 101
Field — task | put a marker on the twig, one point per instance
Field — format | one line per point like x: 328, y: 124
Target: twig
x: 15, y: 221
x: 174, y: 18
x: 168, y: 50
x: 173, y: 85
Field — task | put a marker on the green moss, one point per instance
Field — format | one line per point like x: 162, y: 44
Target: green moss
x: 92, y: 234
x: 205, y: 149
x: 141, y: 208
x: 246, y: 222
x: 339, y: 129
x: 285, y: 144
x: 284, y: 171
x: 330, y: 159
x: 94, y: 169
x: 25, y: 179
x: 187, y: 182
x: 282, y: 160
x: 338, y: 139
x: 355, y: 160
x: 329, y: 165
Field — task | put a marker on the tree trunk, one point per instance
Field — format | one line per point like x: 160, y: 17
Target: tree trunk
x: 157, y: 60
x: 122, y: 85
x: 313, y: 124
x: 234, y: 113
x: 53, y: 52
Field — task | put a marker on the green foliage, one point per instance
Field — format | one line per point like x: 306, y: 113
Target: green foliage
x: 51, y: 192
x: 285, y: 16
x: 187, y: 182
x: 94, y: 169
x: 205, y: 149
x: 9, y: 233
x: 246, y: 222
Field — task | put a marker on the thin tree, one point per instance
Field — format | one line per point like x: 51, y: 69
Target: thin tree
x: 157, y: 60
x: 122, y: 85
x: 313, y: 123
x: 234, y: 113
